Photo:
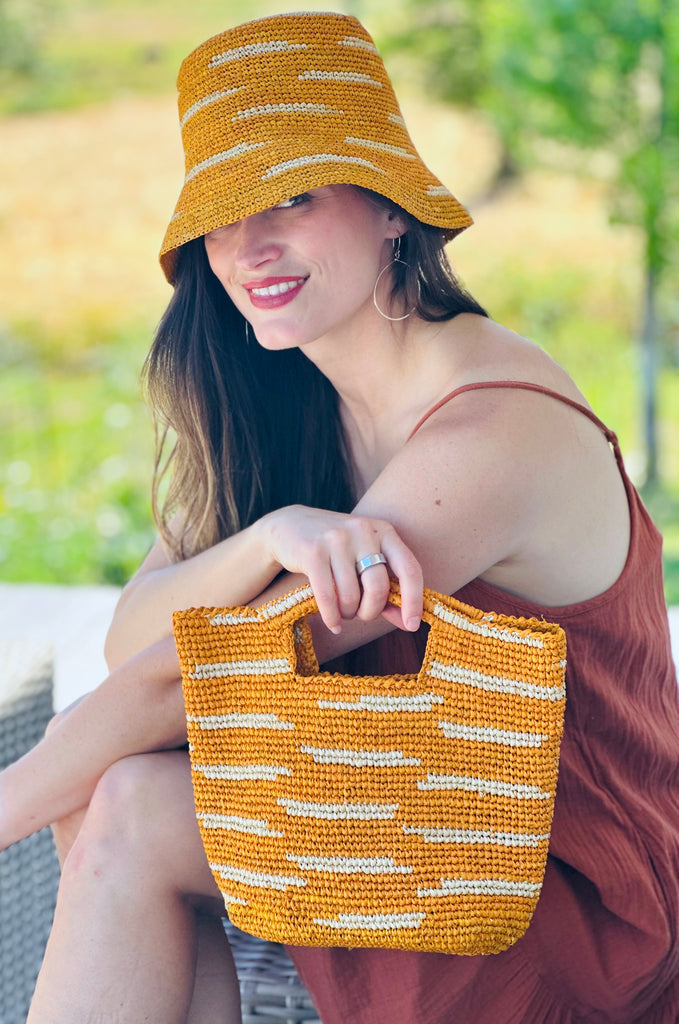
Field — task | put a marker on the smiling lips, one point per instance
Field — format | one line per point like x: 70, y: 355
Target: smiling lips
x: 272, y: 292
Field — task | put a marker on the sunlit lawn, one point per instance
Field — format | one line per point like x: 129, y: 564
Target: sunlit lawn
x: 87, y: 194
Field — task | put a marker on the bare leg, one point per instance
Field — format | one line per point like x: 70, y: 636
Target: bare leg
x: 139, y: 707
x: 216, y: 995
x: 124, y: 943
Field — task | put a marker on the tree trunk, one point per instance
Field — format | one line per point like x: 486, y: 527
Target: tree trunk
x: 649, y: 372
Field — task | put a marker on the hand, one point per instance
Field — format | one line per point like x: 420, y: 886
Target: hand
x: 325, y: 547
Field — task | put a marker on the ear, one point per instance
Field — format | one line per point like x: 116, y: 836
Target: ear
x: 396, y: 226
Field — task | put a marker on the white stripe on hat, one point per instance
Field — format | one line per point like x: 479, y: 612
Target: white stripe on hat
x: 253, y: 50
x: 318, y: 158
x: 384, y: 146
x: 218, y: 158
x: 286, y: 108
x: 213, y: 97
x: 338, y: 76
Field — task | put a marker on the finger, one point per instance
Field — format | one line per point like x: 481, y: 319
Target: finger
x: 375, y: 586
x: 408, y: 571
x: 323, y: 586
x: 347, y: 585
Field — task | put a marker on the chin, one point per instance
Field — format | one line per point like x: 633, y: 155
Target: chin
x: 278, y: 340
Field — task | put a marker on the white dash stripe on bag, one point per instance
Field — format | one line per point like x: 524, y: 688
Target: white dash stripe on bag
x: 376, y: 702
x: 482, y: 887
x: 235, y: 823
x: 257, y: 879
x: 469, y: 835
x: 340, y: 812
x: 231, y: 619
x: 260, y: 667
x: 351, y: 865
x: 484, y: 628
x: 254, y: 50
x: 267, y: 611
x: 485, y: 734
x: 219, y: 158
x: 361, y: 758
x: 487, y: 787
x: 372, y: 922
x: 237, y: 720
x: 494, y: 684
x: 242, y: 772
x: 229, y: 901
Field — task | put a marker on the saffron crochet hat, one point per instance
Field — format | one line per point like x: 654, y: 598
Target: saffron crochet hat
x: 284, y: 104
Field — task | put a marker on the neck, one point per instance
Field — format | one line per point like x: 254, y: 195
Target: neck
x: 386, y: 373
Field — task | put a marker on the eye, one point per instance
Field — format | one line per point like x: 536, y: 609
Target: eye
x: 217, y: 233
x: 293, y: 201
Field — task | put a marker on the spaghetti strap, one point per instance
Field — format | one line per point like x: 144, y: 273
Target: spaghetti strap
x: 525, y: 386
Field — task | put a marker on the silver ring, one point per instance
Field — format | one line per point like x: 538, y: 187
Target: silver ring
x: 365, y: 563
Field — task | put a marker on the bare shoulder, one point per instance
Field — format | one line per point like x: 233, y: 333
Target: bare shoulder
x: 510, y: 484
x: 491, y: 352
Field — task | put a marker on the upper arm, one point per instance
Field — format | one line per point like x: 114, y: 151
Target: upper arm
x: 459, y: 497
x: 457, y: 493
x: 451, y: 495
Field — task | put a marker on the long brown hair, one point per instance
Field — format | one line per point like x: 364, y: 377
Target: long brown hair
x: 256, y: 430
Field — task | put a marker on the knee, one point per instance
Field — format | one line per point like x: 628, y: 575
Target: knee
x: 116, y: 834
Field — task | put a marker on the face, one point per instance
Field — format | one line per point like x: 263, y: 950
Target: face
x: 307, y: 267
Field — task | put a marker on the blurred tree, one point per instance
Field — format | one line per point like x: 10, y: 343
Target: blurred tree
x: 589, y: 75
x: 22, y: 27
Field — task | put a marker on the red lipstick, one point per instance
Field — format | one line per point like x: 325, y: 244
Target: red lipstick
x: 272, y: 292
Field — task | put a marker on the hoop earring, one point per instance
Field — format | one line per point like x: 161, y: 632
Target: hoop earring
x: 396, y: 258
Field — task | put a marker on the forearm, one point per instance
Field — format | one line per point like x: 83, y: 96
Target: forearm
x: 138, y: 708
x: 233, y: 572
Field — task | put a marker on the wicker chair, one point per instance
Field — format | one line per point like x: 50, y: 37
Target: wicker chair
x: 270, y: 989
x: 271, y: 992
x: 29, y: 872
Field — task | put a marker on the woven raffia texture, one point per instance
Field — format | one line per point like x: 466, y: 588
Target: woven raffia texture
x: 407, y: 811
x: 280, y: 105
x: 29, y: 872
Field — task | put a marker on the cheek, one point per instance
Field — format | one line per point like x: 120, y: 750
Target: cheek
x: 219, y: 265
x: 214, y: 258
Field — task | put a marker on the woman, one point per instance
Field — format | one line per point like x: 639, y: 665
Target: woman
x: 343, y: 410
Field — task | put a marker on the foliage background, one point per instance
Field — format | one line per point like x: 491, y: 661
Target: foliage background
x: 90, y: 166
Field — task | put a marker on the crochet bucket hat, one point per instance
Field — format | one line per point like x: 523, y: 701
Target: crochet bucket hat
x: 281, y: 105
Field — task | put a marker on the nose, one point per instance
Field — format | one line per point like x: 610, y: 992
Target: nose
x: 255, y: 243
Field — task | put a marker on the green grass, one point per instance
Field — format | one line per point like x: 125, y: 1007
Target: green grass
x: 77, y: 440
x: 92, y: 51
x: 75, y: 463
x: 76, y: 454
x: 586, y: 327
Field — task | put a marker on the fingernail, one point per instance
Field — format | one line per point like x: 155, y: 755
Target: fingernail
x: 413, y: 624
x: 336, y: 630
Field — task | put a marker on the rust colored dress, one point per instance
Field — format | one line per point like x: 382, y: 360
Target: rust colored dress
x: 603, y: 945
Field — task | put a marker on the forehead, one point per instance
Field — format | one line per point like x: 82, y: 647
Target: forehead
x: 347, y: 203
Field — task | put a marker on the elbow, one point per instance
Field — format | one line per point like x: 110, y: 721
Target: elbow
x: 111, y: 654
x: 116, y: 649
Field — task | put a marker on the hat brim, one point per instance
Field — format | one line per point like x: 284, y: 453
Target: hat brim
x: 238, y: 186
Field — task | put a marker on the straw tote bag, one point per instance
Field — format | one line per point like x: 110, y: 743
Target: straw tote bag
x: 402, y: 811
